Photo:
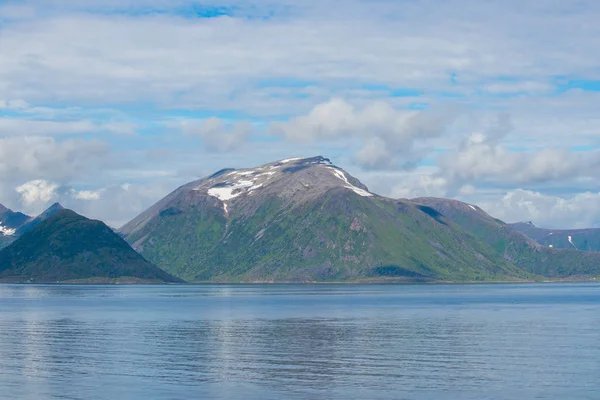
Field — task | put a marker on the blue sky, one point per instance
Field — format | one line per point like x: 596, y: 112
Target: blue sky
x: 108, y: 105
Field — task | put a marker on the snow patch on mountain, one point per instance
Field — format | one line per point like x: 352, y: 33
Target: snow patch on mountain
x: 7, y: 231
x: 246, y: 173
x: 473, y: 207
x: 359, y: 191
x: 287, y: 160
x: 225, y: 193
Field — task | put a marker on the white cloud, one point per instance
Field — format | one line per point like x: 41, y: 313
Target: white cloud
x: 209, y: 62
x: 389, y: 138
x: 114, y: 204
x: 86, y: 194
x: 14, y: 126
x: 21, y: 126
x: 37, y: 191
x: 363, y: 55
x: 530, y: 87
x: 484, y: 158
x: 581, y: 210
x: 13, y: 105
x: 25, y: 158
x: 216, y: 134
x: 419, y: 185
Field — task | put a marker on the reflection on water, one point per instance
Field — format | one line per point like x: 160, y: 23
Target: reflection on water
x: 318, y: 342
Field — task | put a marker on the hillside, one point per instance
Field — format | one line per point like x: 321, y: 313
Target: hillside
x: 514, y: 246
x: 67, y: 247
x: 304, y: 220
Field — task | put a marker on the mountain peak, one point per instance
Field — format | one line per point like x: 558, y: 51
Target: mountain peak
x: 240, y: 192
x: 312, y: 177
x: 51, y: 210
x: 56, y: 206
x: 47, y: 213
x: 316, y: 160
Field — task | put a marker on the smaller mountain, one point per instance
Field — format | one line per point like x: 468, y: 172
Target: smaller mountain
x: 515, y: 246
x: 10, y: 222
x: 33, y: 222
x: 580, y: 239
x: 67, y: 247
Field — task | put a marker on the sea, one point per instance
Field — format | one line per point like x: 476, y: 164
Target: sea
x: 434, y: 342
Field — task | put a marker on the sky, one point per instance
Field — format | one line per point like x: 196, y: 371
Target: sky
x: 107, y: 106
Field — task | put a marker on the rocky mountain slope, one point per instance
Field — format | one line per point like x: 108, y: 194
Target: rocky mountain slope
x: 32, y: 222
x: 305, y: 220
x: 14, y: 224
x: 67, y: 247
x: 10, y: 222
x: 513, y: 245
x: 580, y: 239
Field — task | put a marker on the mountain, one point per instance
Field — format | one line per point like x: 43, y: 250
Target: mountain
x: 581, y: 239
x: 33, y: 222
x: 67, y: 247
x: 302, y: 220
x: 513, y: 245
x: 10, y: 221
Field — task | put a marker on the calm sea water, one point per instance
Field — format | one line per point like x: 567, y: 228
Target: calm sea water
x: 300, y: 342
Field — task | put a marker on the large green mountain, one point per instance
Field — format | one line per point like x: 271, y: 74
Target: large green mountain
x: 513, y: 245
x: 581, y: 239
x: 306, y: 220
x: 67, y: 247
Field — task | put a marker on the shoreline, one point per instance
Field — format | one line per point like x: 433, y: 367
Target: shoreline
x: 290, y: 283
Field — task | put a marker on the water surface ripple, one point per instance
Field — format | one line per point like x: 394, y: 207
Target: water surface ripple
x: 530, y: 341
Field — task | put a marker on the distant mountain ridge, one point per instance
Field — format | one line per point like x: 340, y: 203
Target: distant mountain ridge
x: 67, y: 247
x: 10, y: 222
x: 33, y: 222
x: 515, y: 246
x: 580, y: 239
x: 293, y: 220
x: 305, y: 220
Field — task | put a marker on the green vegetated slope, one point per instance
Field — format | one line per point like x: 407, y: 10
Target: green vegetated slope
x: 341, y: 236
x: 514, y: 246
x: 70, y: 247
x: 303, y: 222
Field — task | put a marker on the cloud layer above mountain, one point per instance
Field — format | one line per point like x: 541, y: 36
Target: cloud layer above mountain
x: 107, y: 102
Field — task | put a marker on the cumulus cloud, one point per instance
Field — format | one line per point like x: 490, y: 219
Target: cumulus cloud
x: 13, y: 104
x: 389, y: 138
x: 86, y: 194
x: 114, y: 204
x: 581, y: 210
x: 20, y: 126
x: 218, y: 135
x: 34, y: 157
x: 37, y: 191
x: 376, y: 64
x: 136, y: 54
x: 484, y: 158
x: 420, y: 185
